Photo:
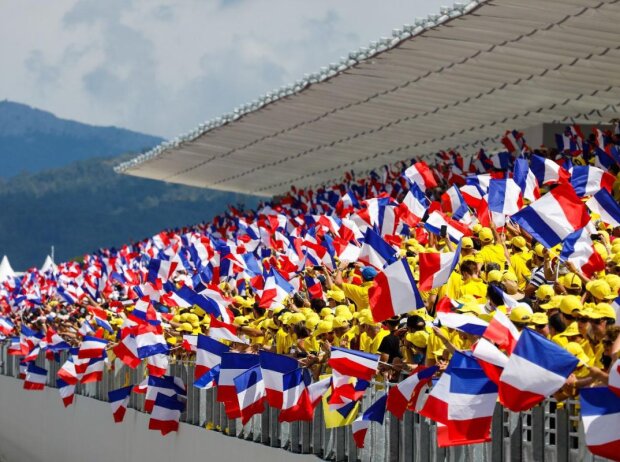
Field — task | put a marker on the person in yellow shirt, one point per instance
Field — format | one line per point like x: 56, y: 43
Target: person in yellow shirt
x: 490, y: 252
x: 357, y: 293
x: 472, y: 285
x: 518, y: 261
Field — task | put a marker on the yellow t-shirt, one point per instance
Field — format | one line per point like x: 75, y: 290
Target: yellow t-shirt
x: 491, y: 253
x: 518, y: 264
x: 359, y: 294
x: 376, y: 342
x: 474, y: 287
x: 284, y: 342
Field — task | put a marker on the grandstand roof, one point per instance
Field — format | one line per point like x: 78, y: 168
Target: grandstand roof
x: 454, y: 80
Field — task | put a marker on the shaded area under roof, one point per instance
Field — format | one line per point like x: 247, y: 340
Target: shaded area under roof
x: 487, y: 67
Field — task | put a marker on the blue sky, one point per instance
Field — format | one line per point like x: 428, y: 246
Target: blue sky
x: 162, y: 67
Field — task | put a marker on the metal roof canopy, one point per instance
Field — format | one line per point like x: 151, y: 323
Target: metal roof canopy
x: 456, y: 81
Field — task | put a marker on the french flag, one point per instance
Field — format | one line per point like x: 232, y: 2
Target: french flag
x: 276, y: 290
x: 554, y: 216
x: 578, y: 248
x: 157, y: 365
x: 67, y: 392
x: 414, y: 206
x: 502, y: 332
x: 119, y: 399
x: 375, y: 251
x: 55, y: 342
x: 394, y: 292
x: 273, y: 368
x: 491, y: 359
x: 35, y: 377
x: 504, y: 197
x: 67, y: 373
x: 209, y: 379
x: 101, y: 318
x: 463, y: 322
x: 6, y: 326
x: 455, y: 229
x: 409, y: 390
x: 547, y: 171
x: 354, y: 363
x: 15, y: 348
x: 472, y: 403
x: 606, y: 206
x: 318, y: 389
x: 166, y: 385
x: 600, y: 414
x: 436, y: 268
x: 375, y: 413
x: 208, y: 354
x: 127, y: 351
x: 149, y: 342
x: 421, y: 175
x: 92, y: 347
x: 250, y: 388
x: 452, y: 202
x: 94, y: 371
x: 233, y: 365
x: 525, y: 178
x: 514, y: 141
x: 588, y: 180
x: 221, y: 331
x: 536, y: 369
x: 161, y: 270
x: 166, y: 414
x: 296, y: 400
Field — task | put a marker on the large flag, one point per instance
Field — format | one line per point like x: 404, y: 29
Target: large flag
x: 408, y: 391
x: 394, y: 292
x: 208, y: 354
x: 119, y: 399
x: 250, y: 389
x: 554, y: 216
x: 296, y: 399
x: 375, y: 251
x: 233, y: 365
x: 354, y: 363
x: 502, y: 331
x: 375, y: 413
x: 273, y: 368
x: 421, y: 175
x: 536, y: 369
x: 166, y: 414
x: 436, y: 268
x: 600, y: 414
x: 606, y: 206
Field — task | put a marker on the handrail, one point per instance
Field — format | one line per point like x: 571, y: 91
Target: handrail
x: 549, y: 432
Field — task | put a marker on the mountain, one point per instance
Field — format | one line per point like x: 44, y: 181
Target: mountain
x: 32, y: 140
x: 85, y: 205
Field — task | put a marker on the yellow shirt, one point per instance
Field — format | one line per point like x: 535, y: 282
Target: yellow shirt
x: 359, y: 294
x: 311, y: 344
x: 376, y: 342
x: 518, y: 264
x: 284, y: 342
x: 492, y: 253
x: 474, y: 287
x: 365, y: 342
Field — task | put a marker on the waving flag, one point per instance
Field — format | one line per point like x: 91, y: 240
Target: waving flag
x: 588, y: 180
x: 536, y: 369
x: 491, y: 359
x: 157, y: 365
x: 233, y: 365
x: 318, y: 389
x: 119, y: 399
x: 504, y: 197
x: 375, y: 251
x: 453, y: 203
x: 578, y: 248
x: 606, y: 206
x: 66, y: 391
x: 35, y: 377
x: 221, y: 331
x: 208, y: 354
x: 92, y: 347
x: 208, y: 379
x: 375, y: 413
x: 166, y: 414
x: 547, y: 171
x: 408, y: 391
x: 273, y: 368
x: 127, y: 351
x: 455, y: 230
x: 436, y: 268
x: 614, y: 377
x: 250, y: 389
x: 354, y: 363
x: 414, y: 206
x: 276, y: 290
x: 471, y: 406
x: 526, y: 180
x: 6, y: 326
x: 94, y: 371
x: 161, y: 270
x: 502, y: 332
x: 296, y: 400
x: 421, y: 175
x: 166, y: 385
x: 600, y: 414
x: 463, y: 322
x: 394, y: 292
x: 101, y: 318
x: 555, y: 216
x: 149, y: 342
x: 67, y: 373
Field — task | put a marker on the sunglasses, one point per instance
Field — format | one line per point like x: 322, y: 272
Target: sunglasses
x: 583, y: 320
x: 540, y: 326
x: 596, y: 321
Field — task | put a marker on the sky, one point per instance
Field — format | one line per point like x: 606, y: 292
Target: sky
x: 163, y: 67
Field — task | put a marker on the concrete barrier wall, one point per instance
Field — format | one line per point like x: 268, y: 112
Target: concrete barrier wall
x: 35, y: 427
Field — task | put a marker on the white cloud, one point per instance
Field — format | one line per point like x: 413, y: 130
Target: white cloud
x: 164, y: 66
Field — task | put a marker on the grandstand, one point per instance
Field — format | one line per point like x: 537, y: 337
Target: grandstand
x: 462, y: 308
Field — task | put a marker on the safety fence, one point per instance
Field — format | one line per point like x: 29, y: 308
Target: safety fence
x: 549, y: 432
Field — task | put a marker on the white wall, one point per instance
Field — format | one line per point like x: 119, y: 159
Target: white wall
x: 35, y: 427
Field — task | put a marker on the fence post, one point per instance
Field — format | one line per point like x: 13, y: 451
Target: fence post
x: 497, y: 433
x: 561, y: 440
x: 339, y: 443
x: 294, y: 437
x: 394, y: 432
x: 538, y: 433
x: 306, y: 436
x: 274, y: 427
x: 407, y: 436
x: 516, y: 440
x: 425, y: 439
x: 318, y: 427
x: 264, y: 426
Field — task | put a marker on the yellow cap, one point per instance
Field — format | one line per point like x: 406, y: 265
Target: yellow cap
x: 326, y: 312
x: 494, y: 276
x: 544, y: 292
x: 509, y: 276
x: 576, y: 350
x: 553, y: 303
x: 539, y: 250
x: 603, y: 310
x: 343, y: 311
x: 572, y: 281
x: 520, y: 314
x: 519, y: 242
x: 569, y: 304
x: 337, y: 295
x: 241, y: 321
x: 540, y: 319
x: 185, y: 327
x: 340, y: 321
x: 419, y: 339
x: 296, y: 318
x: 485, y: 234
x: 600, y: 289
x: 571, y: 330
x: 470, y: 308
x: 614, y: 282
x: 467, y: 298
x: 467, y: 243
x: 323, y: 328
x: 476, y: 228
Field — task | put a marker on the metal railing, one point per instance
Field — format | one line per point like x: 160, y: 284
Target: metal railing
x: 549, y: 432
